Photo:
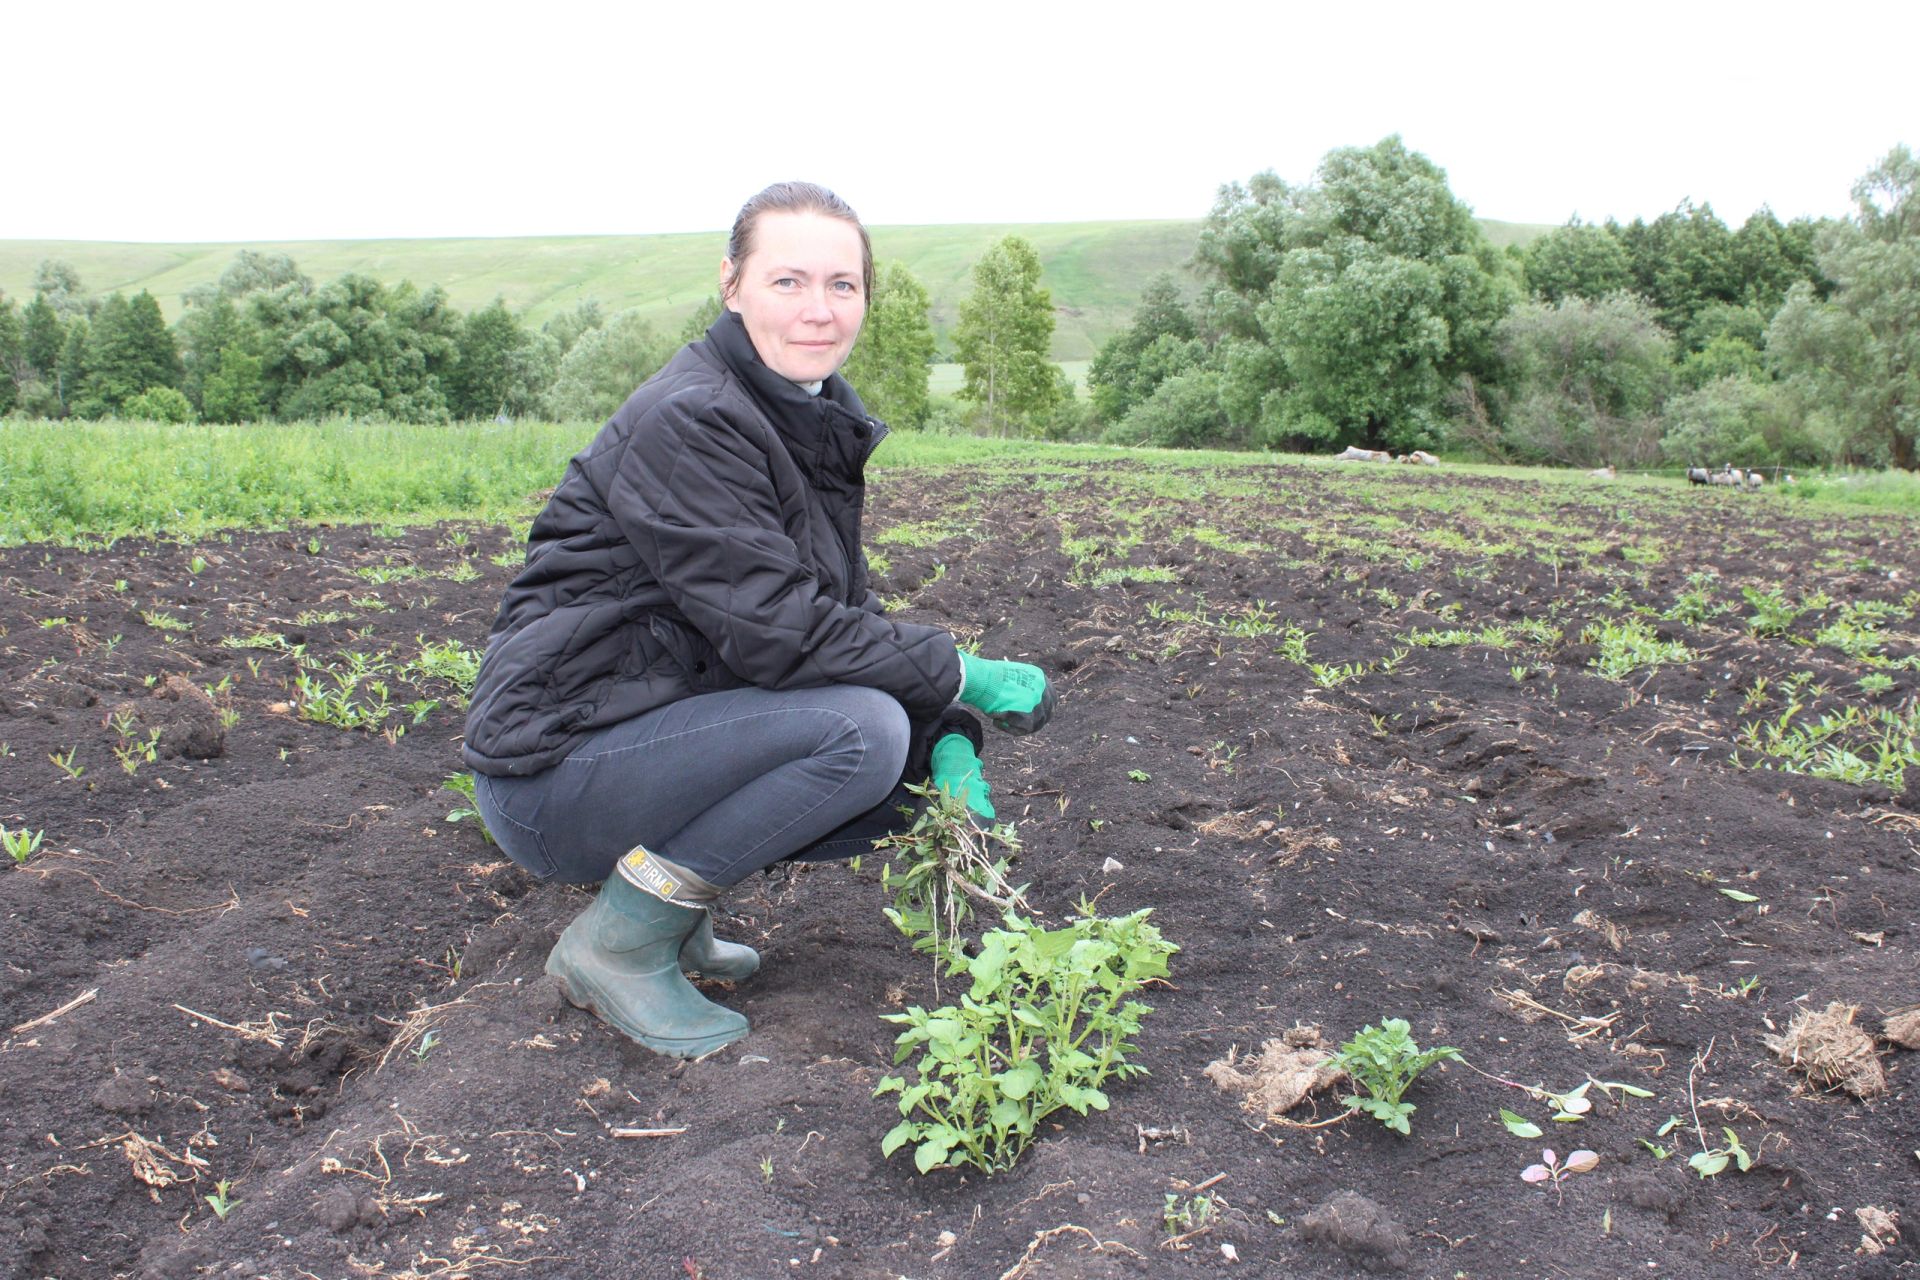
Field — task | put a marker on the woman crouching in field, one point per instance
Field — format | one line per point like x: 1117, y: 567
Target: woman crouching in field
x: 690, y: 680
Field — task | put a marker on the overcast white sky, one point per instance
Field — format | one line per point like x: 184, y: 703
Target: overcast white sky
x: 219, y: 121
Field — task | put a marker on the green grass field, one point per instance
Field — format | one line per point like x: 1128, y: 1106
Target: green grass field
x: 1095, y: 269
x: 78, y: 481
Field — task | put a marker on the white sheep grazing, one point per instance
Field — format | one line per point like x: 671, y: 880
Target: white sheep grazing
x: 1603, y: 473
x: 1755, y: 479
x: 1421, y: 458
x: 1698, y: 475
x: 1353, y: 453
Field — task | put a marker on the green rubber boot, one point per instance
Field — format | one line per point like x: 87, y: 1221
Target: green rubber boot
x: 706, y: 955
x: 620, y: 961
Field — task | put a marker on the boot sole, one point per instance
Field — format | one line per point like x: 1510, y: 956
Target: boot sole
x: 584, y: 996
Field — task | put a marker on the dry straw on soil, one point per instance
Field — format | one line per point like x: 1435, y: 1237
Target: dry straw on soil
x: 1283, y: 1074
x: 1831, y: 1051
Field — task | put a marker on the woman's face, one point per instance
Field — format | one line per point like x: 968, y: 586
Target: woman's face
x: 799, y: 292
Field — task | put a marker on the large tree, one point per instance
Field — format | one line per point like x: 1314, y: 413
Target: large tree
x: 485, y: 376
x: 1577, y: 261
x: 604, y: 366
x: 890, y: 362
x: 1004, y: 337
x: 355, y: 346
x: 12, y: 364
x: 129, y: 350
x: 1854, y: 360
x: 1586, y: 380
x: 1160, y: 343
x: 1349, y: 307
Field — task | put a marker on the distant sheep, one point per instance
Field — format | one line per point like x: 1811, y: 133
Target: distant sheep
x: 1603, y: 473
x: 1353, y: 453
x: 1421, y: 458
x: 1730, y: 476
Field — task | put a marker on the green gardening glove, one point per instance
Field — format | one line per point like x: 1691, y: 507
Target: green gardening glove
x: 1014, y: 695
x: 956, y: 771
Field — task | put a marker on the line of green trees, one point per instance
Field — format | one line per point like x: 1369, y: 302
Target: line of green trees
x: 1367, y: 308
x: 266, y: 343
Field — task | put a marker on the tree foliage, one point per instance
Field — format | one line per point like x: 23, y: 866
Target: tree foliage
x: 128, y: 349
x: 1585, y: 380
x: 1004, y: 337
x: 1161, y: 342
x: 891, y: 361
x: 604, y: 367
x: 1853, y: 361
x: 1348, y: 307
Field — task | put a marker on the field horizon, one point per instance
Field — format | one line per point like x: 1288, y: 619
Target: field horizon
x: 1094, y: 269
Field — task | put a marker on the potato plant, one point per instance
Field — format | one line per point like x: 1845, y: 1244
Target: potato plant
x: 1046, y: 1023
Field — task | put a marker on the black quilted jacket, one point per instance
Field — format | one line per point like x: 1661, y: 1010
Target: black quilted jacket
x: 708, y: 539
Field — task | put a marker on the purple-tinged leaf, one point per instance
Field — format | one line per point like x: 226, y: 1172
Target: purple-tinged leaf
x: 1582, y: 1161
x: 1535, y: 1173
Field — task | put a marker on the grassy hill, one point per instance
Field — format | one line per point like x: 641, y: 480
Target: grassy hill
x: 1095, y: 269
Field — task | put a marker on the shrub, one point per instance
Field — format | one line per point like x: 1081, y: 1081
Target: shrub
x: 158, y: 404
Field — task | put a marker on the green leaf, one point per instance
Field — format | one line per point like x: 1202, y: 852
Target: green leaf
x: 933, y: 1151
x: 1519, y: 1126
x: 890, y: 1084
x: 896, y: 1137
x: 1708, y: 1163
x: 1020, y: 1081
x: 1739, y: 896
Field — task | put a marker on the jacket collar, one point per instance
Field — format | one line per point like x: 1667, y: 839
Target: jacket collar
x: 830, y: 432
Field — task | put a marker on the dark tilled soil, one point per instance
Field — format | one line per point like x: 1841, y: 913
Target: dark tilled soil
x: 268, y: 957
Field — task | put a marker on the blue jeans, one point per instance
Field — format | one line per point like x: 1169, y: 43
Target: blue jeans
x: 724, y: 784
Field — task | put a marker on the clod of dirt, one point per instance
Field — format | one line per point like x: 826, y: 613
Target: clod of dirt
x: 188, y: 722
x: 1831, y: 1051
x: 1281, y: 1077
x: 1360, y: 1229
x: 124, y: 1095
x: 1903, y: 1029
x: 1643, y: 1191
x: 344, y: 1208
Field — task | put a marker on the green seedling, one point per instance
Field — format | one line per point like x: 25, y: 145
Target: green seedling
x: 1518, y: 1125
x: 1383, y: 1063
x: 422, y: 708
x: 197, y: 566
x: 1714, y: 1160
x: 1045, y: 1024
x: 21, y: 844
x: 65, y: 763
x: 766, y: 1170
x: 1552, y: 1169
x: 428, y: 1043
x: 1661, y: 1152
x: 1139, y: 775
x: 221, y: 1201
x: 462, y: 784
x: 1190, y: 1216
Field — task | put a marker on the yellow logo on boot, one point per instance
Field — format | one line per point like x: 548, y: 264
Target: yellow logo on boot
x: 639, y: 869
